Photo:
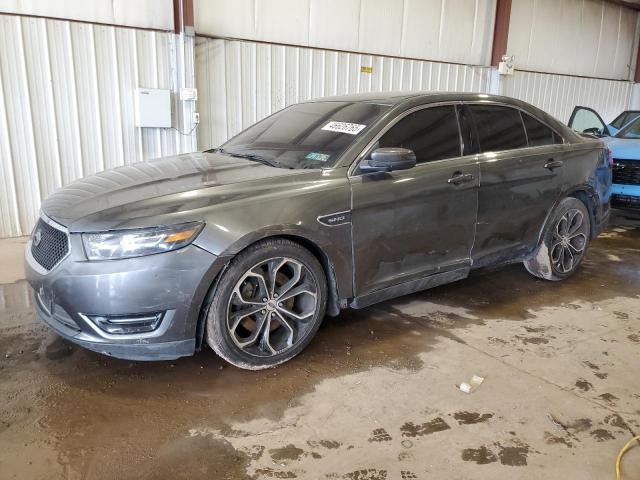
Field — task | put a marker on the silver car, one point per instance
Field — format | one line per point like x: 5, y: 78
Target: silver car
x: 327, y: 204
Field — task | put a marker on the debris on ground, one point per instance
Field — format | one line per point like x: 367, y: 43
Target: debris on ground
x: 472, y: 385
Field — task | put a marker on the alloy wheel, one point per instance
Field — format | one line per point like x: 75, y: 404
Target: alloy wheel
x: 569, y: 241
x: 272, y: 307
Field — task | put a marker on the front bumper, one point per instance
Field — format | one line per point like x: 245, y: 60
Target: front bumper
x: 625, y: 196
x: 128, y: 351
x: 174, y: 283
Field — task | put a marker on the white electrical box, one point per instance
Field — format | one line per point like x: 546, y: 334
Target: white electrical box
x: 506, y: 65
x: 187, y: 94
x: 153, y: 107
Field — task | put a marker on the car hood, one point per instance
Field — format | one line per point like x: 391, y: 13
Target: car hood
x: 624, y: 148
x: 158, y: 187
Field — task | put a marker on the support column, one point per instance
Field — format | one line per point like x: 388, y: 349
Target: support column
x: 634, y: 99
x: 636, y: 77
x: 501, y: 31
x: 185, y: 75
x: 183, y: 16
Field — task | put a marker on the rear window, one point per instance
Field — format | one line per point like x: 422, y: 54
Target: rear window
x: 499, y: 128
x: 537, y: 132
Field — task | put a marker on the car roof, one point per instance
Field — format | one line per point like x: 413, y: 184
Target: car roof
x: 411, y: 99
x: 395, y: 98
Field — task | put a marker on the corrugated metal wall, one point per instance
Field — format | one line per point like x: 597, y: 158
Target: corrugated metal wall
x: 67, y: 96
x: 576, y: 37
x: 241, y: 82
x: 458, y: 31
x: 558, y: 94
x: 156, y: 14
x: 67, y: 106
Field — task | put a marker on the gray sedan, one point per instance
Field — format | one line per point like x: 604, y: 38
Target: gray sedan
x: 328, y: 204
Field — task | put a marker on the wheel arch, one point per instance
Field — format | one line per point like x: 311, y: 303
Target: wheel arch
x: 585, y: 194
x: 333, y: 300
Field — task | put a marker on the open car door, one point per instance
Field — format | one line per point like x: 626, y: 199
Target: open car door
x: 587, y: 120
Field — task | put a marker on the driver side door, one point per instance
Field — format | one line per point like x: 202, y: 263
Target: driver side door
x: 587, y: 120
x: 413, y: 229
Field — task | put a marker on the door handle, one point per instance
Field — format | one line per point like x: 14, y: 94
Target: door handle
x: 552, y: 164
x: 459, y: 178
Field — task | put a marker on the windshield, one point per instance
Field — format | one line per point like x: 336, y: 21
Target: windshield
x: 305, y: 135
x: 632, y: 130
x: 624, y: 118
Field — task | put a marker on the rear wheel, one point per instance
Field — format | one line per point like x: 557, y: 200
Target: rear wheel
x: 268, y: 305
x: 564, y: 242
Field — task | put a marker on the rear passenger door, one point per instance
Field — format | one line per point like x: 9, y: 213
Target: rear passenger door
x: 520, y: 180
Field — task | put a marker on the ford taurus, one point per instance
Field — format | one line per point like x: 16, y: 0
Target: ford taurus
x: 329, y: 204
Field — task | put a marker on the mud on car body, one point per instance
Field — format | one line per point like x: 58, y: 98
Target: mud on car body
x: 329, y: 204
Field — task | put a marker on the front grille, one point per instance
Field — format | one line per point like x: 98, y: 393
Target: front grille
x: 48, y: 245
x: 625, y: 201
x: 626, y: 172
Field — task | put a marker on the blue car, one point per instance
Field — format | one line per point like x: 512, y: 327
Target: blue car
x: 622, y: 120
x: 622, y: 136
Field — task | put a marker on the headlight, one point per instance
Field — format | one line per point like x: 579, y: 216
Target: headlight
x: 135, y: 243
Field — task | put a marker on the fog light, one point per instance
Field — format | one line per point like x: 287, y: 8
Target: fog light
x: 127, y: 324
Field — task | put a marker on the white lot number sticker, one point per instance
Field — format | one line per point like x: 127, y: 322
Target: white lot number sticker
x: 344, y: 127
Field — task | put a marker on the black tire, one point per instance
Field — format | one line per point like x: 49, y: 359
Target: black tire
x: 240, y: 290
x: 548, y: 261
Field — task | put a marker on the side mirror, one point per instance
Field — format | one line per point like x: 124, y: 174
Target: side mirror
x: 593, y: 131
x: 389, y: 159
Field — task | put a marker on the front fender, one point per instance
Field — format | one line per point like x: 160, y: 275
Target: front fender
x: 232, y: 227
x: 333, y: 244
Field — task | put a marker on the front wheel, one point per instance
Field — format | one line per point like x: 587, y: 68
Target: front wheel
x: 564, y: 242
x: 267, y: 306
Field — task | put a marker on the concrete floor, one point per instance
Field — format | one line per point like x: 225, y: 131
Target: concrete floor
x: 374, y: 397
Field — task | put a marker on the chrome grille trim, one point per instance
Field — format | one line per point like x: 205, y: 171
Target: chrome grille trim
x: 33, y: 263
x: 626, y: 172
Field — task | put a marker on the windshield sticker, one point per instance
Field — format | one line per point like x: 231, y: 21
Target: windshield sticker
x: 344, y: 127
x: 318, y: 157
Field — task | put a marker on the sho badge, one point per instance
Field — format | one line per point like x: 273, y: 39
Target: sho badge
x: 335, y: 219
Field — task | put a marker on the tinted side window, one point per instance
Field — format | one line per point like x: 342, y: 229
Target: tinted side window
x: 557, y: 138
x: 537, y: 132
x: 499, y: 128
x: 469, y: 140
x: 432, y: 133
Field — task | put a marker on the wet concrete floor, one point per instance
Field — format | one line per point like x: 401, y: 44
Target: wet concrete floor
x: 374, y: 397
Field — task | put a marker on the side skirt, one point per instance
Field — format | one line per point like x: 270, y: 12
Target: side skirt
x: 409, y: 287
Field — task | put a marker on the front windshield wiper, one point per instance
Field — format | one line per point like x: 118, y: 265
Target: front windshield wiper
x: 249, y: 156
